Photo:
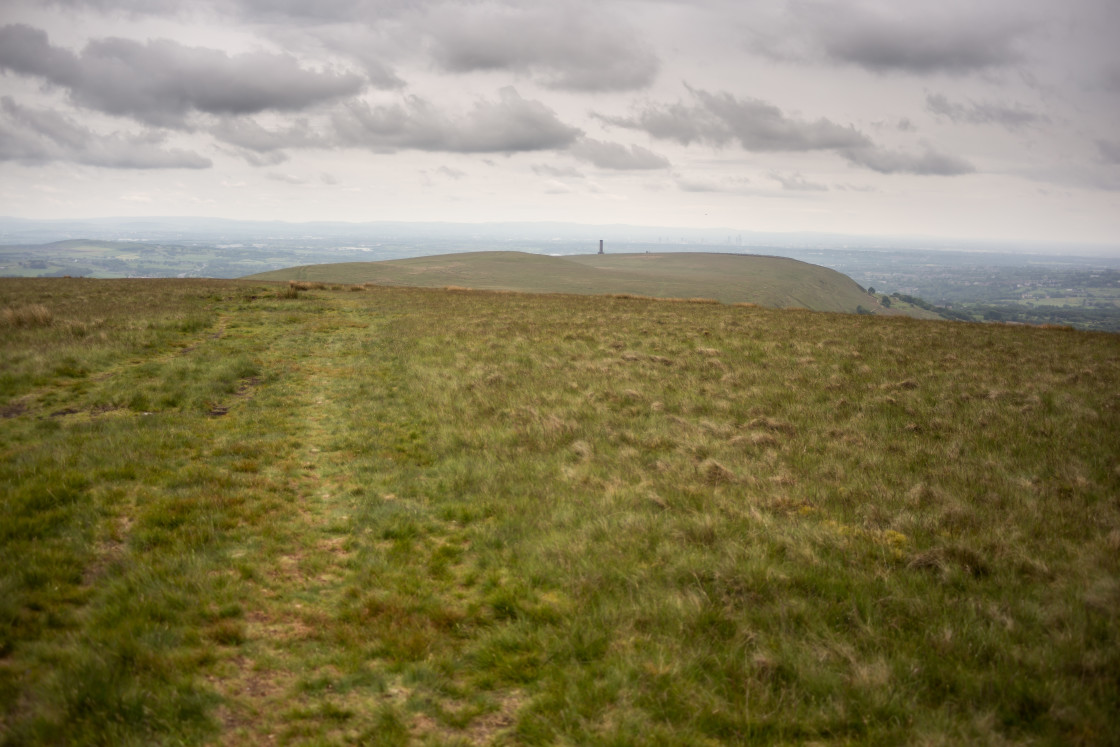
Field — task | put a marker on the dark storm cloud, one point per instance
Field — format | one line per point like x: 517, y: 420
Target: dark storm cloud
x: 564, y: 46
x: 162, y: 81
x: 982, y: 112
x: 36, y: 136
x: 927, y: 163
x: 922, y: 39
x: 616, y: 156
x: 511, y: 124
x: 719, y: 119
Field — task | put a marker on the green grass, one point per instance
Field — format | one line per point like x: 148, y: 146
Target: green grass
x: 417, y: 516
x: 729, y: 278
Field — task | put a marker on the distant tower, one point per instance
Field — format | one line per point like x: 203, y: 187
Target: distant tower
x: 600, y: 246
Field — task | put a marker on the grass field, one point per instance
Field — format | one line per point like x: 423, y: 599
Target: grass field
x: 236, y: 512
x: 774, y: 282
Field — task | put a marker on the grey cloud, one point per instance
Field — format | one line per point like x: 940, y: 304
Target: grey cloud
x: 451, y: 173
x: 922, y: 39
x: 1110, y: 79
x: 255, y: 158
x: 565, y: 46
x: 720, y: 118
x: 246, y: 133
x: 1110, y: 150
x: 28, y: 51
x: 680, y: 122
x: 286, y: 179
x: 616, y: 156
x: 370, y: 46
x: 511, y: 124
x: 135, y: 7
x: 733, y: 185
x: 249, y: 10
x: 759, y: 126
x: 542, y: 169
x: 572, y: 45
x: 693, y: 185
x: 983, y: 112
x: 928, y: 163
x: 302, y: 10
x: 39, y: 136
x: 162, y: 81
x: 796, y: 182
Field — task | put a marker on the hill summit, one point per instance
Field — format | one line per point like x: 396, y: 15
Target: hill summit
x: 729, y: 278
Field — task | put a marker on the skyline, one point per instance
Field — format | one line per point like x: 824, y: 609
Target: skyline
x: 859, y: 118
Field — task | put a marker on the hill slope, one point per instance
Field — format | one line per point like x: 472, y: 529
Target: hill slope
x: 730, y: 278
x: 390, y: 515
x: 401, y: 516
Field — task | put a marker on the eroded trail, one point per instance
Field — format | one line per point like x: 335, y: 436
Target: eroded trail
x: 286, y: 662
x: 354, y: 584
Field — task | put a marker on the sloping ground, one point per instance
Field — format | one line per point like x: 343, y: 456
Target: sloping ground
x: 730, y: 278
x: 409, y: 516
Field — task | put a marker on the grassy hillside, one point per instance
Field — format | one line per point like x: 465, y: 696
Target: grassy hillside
x: 730, y: 278
x: 235, y: 513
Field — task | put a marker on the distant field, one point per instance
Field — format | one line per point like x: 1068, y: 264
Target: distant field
x: 238, y: 512
x: 144, y: 259
x: 729, y: 278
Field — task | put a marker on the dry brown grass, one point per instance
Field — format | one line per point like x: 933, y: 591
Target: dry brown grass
x: 27, y: 316
x: 696, y: 299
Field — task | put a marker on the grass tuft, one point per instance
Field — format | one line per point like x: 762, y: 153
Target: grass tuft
x: 27, y: 316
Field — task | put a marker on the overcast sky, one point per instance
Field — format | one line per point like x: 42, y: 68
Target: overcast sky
x: 978, y: 119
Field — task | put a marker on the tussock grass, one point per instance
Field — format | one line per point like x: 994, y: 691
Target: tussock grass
x: 30, y: 315
x: 303, y: 285
x: 429, y: 516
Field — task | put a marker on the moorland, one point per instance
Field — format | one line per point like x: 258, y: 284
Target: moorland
x: 239, y: 512
x: 774, y: 282
x: 1062, y: 284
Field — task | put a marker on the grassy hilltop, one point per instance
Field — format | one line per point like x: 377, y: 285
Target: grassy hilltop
x: 239, y: 512
x: 775, y: 282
